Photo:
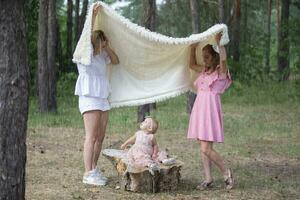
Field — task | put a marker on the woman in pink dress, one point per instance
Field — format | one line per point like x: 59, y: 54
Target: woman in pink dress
x: 206, y: 120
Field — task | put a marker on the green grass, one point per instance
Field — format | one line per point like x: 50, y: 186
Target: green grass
x: 262, y: 145
x: 261, y: 108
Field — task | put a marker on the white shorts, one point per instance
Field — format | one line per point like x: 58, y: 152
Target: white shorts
x: 87, y: 103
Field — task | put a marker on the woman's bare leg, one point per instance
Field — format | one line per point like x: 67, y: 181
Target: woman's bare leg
x: 100, y: 137
x: 91, y: 123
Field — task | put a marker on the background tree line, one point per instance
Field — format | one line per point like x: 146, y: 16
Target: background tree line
x: 264, y: 43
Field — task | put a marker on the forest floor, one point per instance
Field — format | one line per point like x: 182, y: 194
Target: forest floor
x: 262, y: 146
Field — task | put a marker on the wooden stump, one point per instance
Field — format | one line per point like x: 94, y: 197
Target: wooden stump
x: 141, y: 180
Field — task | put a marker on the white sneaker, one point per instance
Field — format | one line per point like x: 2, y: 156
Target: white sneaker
x: 98, y: 173
x: 92, y: 178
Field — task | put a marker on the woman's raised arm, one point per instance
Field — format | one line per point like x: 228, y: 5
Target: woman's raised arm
x: 96, y: 10
x: 193, y: 64
x: 222, y: 53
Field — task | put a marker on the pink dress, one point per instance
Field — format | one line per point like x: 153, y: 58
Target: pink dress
x: 206, y: 120
x: 140, y: 154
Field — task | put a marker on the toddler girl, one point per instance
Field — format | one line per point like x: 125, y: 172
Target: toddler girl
x: 144, y: 152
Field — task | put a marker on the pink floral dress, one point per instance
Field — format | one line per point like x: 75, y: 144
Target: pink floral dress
x: 206, y: 120
x: 140, y: 154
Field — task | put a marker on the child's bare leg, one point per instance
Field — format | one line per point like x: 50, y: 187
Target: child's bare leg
x: 207, y: 167
x: 207, y: 149
x: 91, y: 124
x: 100, y: 136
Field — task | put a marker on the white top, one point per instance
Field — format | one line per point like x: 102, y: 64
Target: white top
x: 93, y: 79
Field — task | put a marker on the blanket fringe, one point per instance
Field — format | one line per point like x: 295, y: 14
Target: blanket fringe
x: 148, y: 100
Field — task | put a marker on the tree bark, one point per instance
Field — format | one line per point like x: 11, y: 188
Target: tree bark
x: 283, y: 41
x: 149, y: 21
x: 52, y: 52
x: 236, y: 31
x: 82, y: 16
x: 246, y: 34
x: 221, y: 11
x: 42, y: 83
x: 268, y: 41
x: 278, y: 16
x: 230, y: 5
x: 195, y: 16
x: 69, y: 30
x: 47, y: 51
x: 76, y: 24
x: 196, y: 28
x: 59, y: 50
x: 150, y: 14
x: 14, y: 92
x: 143, y: 110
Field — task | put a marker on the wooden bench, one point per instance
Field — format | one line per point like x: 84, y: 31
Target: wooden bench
x: 142, y: 180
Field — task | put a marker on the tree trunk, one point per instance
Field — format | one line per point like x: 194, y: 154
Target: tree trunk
x: 143, y: 110
x: 229, y: 12
x: 69, y: 31
x: 149, y: 22
x: 47, y: 47
x: 59, y: 50
x: 52, y: 52
x: 229, y: 21
x: 150, y: 14
x: 196, y: 28
x: 278, y: 16
x: 143, y: 180
x: 283, y: 41
x: 195, y: 16
x: 246, y: 34
x: 76, y: 24
x: 236, y: 31
x: 268, y: 41
x: 82, y: 16
x: 221, y: 11
x: 42, y: 56
x: 14, y: 76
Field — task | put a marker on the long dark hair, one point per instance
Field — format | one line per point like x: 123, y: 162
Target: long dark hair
x: 216, y: 58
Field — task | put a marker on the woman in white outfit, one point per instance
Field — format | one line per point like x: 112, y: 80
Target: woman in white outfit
x: 93, y: 88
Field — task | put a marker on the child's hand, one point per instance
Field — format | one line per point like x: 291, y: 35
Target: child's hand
x: 96, y: 9
x: 123, y: 146
x: 194, y: 45
x: 154, y: 156
x: 218, y: 37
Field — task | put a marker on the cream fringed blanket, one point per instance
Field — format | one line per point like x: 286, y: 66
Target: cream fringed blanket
x: 153, y: 67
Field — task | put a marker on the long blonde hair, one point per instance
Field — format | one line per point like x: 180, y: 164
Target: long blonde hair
x: 97, y: 37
